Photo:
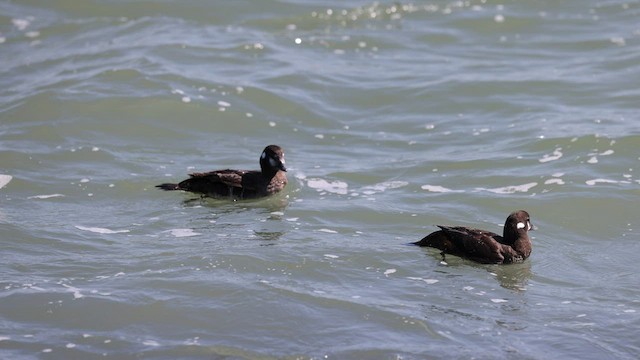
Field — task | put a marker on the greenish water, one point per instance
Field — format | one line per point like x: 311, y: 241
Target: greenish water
x: 394, y: 117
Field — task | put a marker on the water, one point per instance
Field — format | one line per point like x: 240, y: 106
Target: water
x: 395, y: 116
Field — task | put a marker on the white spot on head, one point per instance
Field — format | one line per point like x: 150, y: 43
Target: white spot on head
x: 520, y: 225
x: 264, y: 155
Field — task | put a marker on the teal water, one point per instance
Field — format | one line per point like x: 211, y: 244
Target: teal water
x: 394, y: 116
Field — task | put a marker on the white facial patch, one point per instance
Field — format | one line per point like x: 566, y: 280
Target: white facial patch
x: 264, y: 155
x: 520, y: 225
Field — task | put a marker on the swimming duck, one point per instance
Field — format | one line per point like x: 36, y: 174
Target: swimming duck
x: 239, y: 184
x: 485, y: 246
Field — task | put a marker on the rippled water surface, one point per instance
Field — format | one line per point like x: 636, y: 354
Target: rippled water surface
x: 395, y: 116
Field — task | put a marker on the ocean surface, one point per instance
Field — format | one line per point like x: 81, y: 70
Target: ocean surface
x: 395, y: 116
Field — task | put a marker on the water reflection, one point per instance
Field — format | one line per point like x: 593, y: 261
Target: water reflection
x: 513, y: 276
x: 510, y: 276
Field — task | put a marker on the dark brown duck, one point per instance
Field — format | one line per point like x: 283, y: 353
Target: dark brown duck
x: 485, y: 246
x: 239, y: 184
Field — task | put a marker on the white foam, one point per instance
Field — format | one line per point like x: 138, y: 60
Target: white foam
x: 607, y: 152
x: 150, y: 343
x: 328, y: 231
x: 2, y: 338
x: 438, y: 189
x: 74, y: 290
x: 45, y: 196
x: 554, y: 181
x: 183, y: 232
x: 497, y: 301
x: 101, y: 230
x: 557, y: 154
x: 512, y: 189
x: 330, y: 256
x: 4, y: 180
x: 223, y: 104
x: 389, y: 272
x: 428, y: 281
x: 21, y: 24
x: 335, y: 187
x: 593, y: 160
x: 603, y: 181
x: 380, y: 187
x: 70, y: 345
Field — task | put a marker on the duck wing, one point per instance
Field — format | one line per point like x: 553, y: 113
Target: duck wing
x: 475, y: 244
x: 206, y: 182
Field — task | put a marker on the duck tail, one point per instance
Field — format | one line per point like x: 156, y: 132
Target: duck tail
x: 168, y: 186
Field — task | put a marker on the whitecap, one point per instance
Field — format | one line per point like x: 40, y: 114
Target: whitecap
x: 331, y: 256
x: 335, y: 187
x: 183, y: 232
x: 45, y: 196
x: 512, y: 189
x: 223, y: 104
x: 438, y: 189
x: 604, y: 181
x: 497, y: 301
x: 4, y: 180
x: 2, y: 338
x: 101, y: 230
x: 557, y: 154
x: 593, y: 160
x: 150, y: 343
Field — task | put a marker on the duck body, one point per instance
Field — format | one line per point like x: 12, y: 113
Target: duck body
x: 239, y: 184
x: 485, y: 246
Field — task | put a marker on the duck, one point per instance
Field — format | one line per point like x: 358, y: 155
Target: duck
x: 239, y: 184
x: 482, y: 246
